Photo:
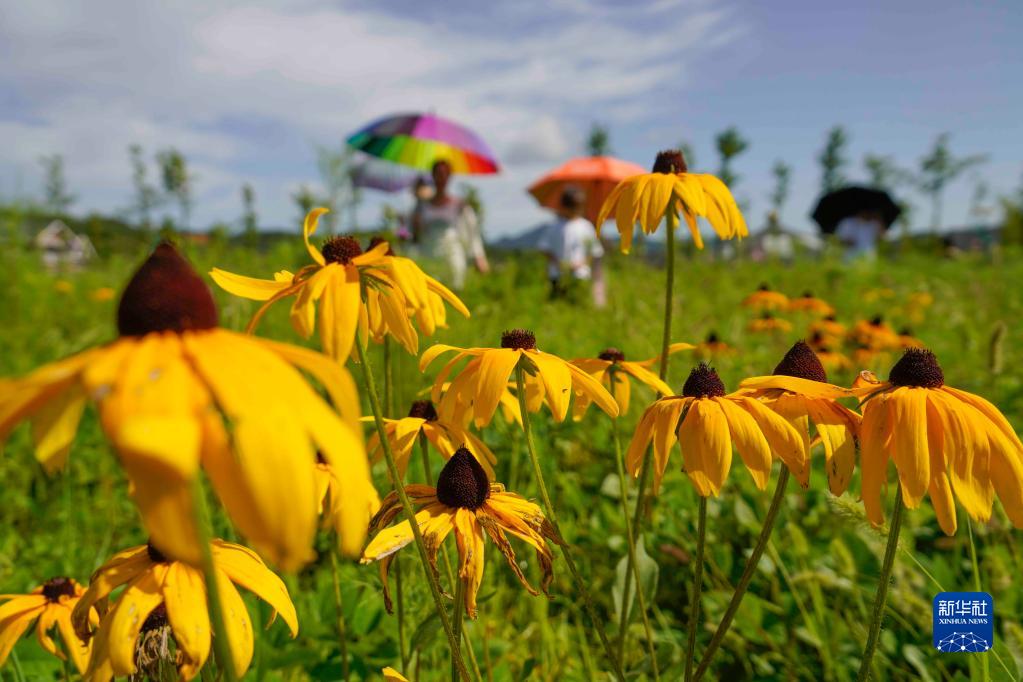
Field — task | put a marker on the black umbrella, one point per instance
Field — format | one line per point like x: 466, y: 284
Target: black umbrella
x: 842, y: 203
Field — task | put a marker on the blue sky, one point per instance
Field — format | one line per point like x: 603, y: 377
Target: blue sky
x: 247, y: 90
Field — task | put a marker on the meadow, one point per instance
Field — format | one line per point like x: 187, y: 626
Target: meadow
x: 809, y: 604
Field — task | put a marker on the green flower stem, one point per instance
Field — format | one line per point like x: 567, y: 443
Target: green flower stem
x: 410, y: 514
x: 221, y: 641
x: 399, y: 588
x: 747, y: 573
x: 623, y: 482
x: 694, y: 597
x: 520, y: 381
x: 457, y: 613
x: 342, y: 630
x: 985, y: 662
x: 882, y: 587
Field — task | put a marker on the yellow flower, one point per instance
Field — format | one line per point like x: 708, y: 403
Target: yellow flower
x: 769, y: 323
x: 874, y: 334
x: 811, y: 304
x: 941, y: 440
x: 483, y: 381
x: 402, y: 435
x: 164, y: 597
x: 48, y: 605
x: 392, y: 675
x: 877, y: 294
x: 707, y: 423
x: 864, y: 356
x: 176, y: 392
x: 766, y: 299
x: 829, y: 329
x: 465, y: 501
x: 102, y: 294
x: 336, y: 280
x: 712, y: 347
x: 611, y: 369
x: 62, y: 286
x: 907, y: 340
x: 647, y: 197
x: 424, y: 295
x: 799, y: 392
x: 833, y: 361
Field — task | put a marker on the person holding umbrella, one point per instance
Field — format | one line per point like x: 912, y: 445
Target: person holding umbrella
x: 858, y: 216
x: 448, y: 228
x: 572, y: 249
x: 859, y: 233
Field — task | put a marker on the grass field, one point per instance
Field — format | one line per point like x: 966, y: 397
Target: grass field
x: 809, y: 604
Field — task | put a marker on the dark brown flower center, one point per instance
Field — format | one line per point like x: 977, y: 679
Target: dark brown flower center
x: 423, y: 409
x: 155, y: 555
x: 801, y: 362
x: 376, y: 241
x: 917, y: 367
x: 55, y: 588
x: 703, y: 382
x: 763, y: 287
x: 670, y: 161
x: 165, y: 294
x: 807, y: 294
x: 611, y: 355
x: 830, y: 318
x: 906, y: 331
x: 519, y: 339
x: 156, y: 619
x: 462, y: 483
x: 877, y: 320
x: 340, y: 250
x: 713, y: 338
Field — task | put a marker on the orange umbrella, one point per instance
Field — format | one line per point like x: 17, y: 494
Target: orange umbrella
x: 595, y: 175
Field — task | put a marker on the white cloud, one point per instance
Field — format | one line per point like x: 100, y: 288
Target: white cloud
x: 90, y: 79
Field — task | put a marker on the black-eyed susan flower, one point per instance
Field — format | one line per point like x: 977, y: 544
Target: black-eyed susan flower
x: 713, y: 346
x: 165, y: 596
x: 765, y: 298
x: 829, y: 329
x: 424, y: 295
x: 447, y: 438
x: 102, y: 294
x: 479, y: 386
x: 874, y: 334
x: 175, y: 392
x: 942, y: 440
x: 48, y: 606
x: 799, y: 391
x: 339, y: 274
x: 648, y: 197
x: 808, y: 303
x: 466, y: 502
x: 769, y: 324
x: 706, y: 423
x: 907, y: 340
x: 611, y: 369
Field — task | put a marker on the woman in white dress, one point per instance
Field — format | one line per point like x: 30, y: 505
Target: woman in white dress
x: 447, y: 228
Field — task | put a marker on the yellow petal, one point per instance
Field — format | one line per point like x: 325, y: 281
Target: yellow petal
x: 805, y: 387
x: 706, y: 446
x: 248, y: 287
x: 78, y: 650
x: 649, y: 378
x: 184, y: 595
x: 303, y: 310
x: 142, y: 595
x: 659, y: 190
x: 609, y: 205
x: 339, y: 312
x: 54, y: 427
x: 496, y: 366
x: 749, y: 441
x: 875, y: 435
x: 836, y: 426
x: 787, y: 442
x: 246, y: 569
x: 239, y: 625
x: 557, y: 380
x: 469, y: 536
x: 584, y: 383
x: 909, y: 442
x: 312, y: 219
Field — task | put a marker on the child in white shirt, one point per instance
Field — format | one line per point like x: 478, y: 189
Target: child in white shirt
x: 571, y: 246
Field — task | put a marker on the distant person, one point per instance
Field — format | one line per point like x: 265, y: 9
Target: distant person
x: 860, y: 232
x: 448, y: 228
x: 573, y: 251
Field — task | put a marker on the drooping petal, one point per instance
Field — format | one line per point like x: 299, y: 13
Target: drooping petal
x: 584, y: 383
x: 245, y: 568
x: 875, y: 435
x: 312, y: 220
x: 939, y: 487
x: 79, y: 651
x: 837, y: 428
x: 142, y: 595
x: 12, y: 628
x: 54, y: 426
x: 647, y: 377
x: 556, y: 376
x: 787, y: 442
x: 496, y: 366
x: 909, y: 442
x: 184, y: 595
x: 749, y: 441
x: 706, y: 446
x: 303, y: 310
x: 339, y: 312
x: 239, y: 625
x: 469, y: 537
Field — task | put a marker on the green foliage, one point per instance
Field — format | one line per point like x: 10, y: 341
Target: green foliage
x: 833, y: 160
x: 729, y: 143
x: 56, y: 197
x: 805, y: 616
x: 937, y: 169
x: 782, y: 173
x: 177, y: 181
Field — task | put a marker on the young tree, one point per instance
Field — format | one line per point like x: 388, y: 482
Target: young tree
x: 730, y: 143
x: 782, y: 173
x: 599, y: 141
x: 336, y: 170
x: 250, y: 224
x: 305, y: 200
x: 56, y: 197
x: 937, y: 170
x: 177, y: 182
x: 146, y: 195
x: 833, y: 160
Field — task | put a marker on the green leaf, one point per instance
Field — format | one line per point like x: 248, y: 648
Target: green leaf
x: 648, y: 574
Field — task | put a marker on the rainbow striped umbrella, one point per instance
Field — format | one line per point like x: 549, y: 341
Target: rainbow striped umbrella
x: 418, y: 140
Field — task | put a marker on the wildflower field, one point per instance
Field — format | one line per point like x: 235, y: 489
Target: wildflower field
x: 809, y: 606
